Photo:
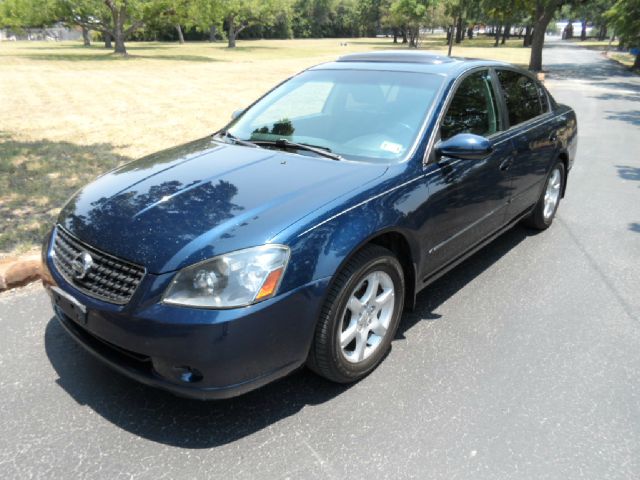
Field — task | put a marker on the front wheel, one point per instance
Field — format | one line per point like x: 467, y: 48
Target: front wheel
x: 360, y: 316
x: 547, y: 206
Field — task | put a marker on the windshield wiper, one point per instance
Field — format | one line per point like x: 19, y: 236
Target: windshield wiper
x: 284, y: 143
x: 236, y: 140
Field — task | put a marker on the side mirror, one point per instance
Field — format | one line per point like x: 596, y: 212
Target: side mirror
x: 236, y: 114
x: 465, y: 146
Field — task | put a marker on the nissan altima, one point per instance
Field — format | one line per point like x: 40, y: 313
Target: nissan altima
x: 299, y: 233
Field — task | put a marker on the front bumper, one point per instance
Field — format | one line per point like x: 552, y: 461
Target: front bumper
x: 196, y: 353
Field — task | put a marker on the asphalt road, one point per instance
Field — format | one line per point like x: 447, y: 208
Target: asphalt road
x: 524, y: 362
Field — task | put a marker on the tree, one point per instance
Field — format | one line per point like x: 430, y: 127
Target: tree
x: 205, y: 16
x: 370, y: 13
x: 117, y: 19
x: 240, y: 14
x: 313, y: 18
x: 409, y: 16
x: 503, y: 13
x: 588, y: 11
x: 544, y: 12
x: 625, y: 18
x: 19, y: 14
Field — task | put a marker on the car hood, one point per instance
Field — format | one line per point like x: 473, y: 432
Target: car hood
x: 189, y: 203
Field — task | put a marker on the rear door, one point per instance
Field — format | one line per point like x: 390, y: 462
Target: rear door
x: 533, y: 135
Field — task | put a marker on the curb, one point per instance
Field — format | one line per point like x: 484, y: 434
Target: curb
x: 19, y: 271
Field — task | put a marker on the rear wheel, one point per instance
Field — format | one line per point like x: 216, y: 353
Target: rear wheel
x: 547, y: 206
x: 360, y: 316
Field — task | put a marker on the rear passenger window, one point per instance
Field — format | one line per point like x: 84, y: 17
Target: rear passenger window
x: 521, y: 96
x: 473, y: 108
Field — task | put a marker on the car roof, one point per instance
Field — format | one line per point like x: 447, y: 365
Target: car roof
x: 407, y: 61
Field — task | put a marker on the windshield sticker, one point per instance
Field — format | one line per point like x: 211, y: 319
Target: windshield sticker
x: 391, y: 147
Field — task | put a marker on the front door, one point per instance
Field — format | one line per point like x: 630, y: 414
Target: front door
x: 467, y: 198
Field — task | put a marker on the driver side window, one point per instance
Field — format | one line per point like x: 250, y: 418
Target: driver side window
x: 473, y: 108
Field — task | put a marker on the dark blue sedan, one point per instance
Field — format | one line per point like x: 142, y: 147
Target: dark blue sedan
x: 299, y: 233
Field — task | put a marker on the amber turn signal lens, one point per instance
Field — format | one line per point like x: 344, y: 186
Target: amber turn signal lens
x: 270, y: 284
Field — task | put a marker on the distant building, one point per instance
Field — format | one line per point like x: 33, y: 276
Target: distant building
x: 55, y: 33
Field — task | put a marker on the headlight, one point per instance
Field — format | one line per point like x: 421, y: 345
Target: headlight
x: 234, y: 279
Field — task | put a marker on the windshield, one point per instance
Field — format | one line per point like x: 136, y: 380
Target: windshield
x: 358, y: 114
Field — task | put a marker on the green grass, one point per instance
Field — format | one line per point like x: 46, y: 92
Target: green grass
x: 625, y: 59
x: 70, y: 113
x: 601, y: 45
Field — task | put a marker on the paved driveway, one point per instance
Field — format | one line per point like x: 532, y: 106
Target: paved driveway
x: 524, y: 362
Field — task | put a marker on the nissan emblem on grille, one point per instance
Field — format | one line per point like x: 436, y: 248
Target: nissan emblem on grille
x: 81, y: 265
x: 94, y: 272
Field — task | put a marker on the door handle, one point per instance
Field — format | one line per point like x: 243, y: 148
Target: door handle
x: 506, y: 164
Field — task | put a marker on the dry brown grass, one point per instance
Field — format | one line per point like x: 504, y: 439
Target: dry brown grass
x: 69, y: 113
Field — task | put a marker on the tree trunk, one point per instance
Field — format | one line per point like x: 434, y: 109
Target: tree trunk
x: 451, y: 32
x: 213, y: 30
x: 119, y: 43
x: 459, y: 34
x: 86, y: 38
x: 603, y: 33
x: 636, y: 63
x: 470, y: 33
x: 107, y: 40
x: 404, y: 35
x: 527, y: 37
x: 583, y: 33
x: 506, y: 33
x: 180, y: 35
x: 395, y: 36
x: 498, y: 30
x: 232, y: 33
x: 119, y: 15
x: 569, y: 29
x: 544, y: 13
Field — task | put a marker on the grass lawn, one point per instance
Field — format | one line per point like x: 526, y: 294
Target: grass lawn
x: 625, y: 59
x: 69, y: 113
x: 602, y: 45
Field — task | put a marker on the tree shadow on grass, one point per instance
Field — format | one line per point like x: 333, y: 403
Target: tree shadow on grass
x: 37, y: 177
x: 111, y: 57
x: 160, y: 417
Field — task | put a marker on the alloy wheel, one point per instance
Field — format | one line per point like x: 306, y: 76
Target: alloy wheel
x: 367, y: 315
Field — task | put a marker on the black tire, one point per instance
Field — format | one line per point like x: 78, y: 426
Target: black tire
x: 537, y: 219
x: 326, y: 356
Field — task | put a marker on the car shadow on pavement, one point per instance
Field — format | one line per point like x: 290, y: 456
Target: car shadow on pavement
x: 161, y: 417
x: 444, y: 288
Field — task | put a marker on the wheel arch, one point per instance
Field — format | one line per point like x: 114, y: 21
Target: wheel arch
x: 564, y: 157
x: 399, y: 243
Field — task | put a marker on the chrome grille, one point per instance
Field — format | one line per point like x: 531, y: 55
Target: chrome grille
x: 107, y: 278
